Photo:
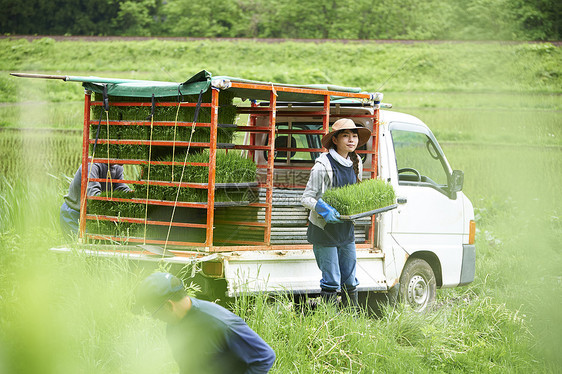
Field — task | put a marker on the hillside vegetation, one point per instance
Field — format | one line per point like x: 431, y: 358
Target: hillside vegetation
x: 420, y: 67
x: 335, y: 19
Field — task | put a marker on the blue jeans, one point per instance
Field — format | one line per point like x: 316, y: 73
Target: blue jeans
x: 337, y: 265
x: 69, y: 221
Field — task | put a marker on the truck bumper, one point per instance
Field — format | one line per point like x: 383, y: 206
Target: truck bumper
x: 293, y: 272
x: 468, y: 264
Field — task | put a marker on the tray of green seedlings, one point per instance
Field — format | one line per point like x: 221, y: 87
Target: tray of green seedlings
x: 235, y: 178
x: 225, y: 129
x: 362, y: 199
x: 114, y: 209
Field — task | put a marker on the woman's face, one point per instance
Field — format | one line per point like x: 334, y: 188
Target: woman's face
x: 346, y: 141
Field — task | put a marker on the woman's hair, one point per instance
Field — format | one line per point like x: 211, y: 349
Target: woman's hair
x: 354, y: 157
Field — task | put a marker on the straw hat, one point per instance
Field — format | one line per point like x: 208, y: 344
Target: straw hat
x: 346, y: 124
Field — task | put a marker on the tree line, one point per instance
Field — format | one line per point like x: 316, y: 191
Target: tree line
x: 311, y: 19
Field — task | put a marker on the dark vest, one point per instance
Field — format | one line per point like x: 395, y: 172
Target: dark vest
x: 335, y: 234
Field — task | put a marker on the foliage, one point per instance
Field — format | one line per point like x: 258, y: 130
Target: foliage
x: 77, y: 17
x: 361, y: 197
x: 336, y: 19
x: 136, y: 17
x: 421, y: 67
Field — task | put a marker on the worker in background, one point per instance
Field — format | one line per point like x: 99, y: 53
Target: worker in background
x: 70, y: 209
x: 204, y: 337
x: 333, y: 240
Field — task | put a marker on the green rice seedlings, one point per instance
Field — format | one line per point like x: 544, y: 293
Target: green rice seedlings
x: 361, y: 197
x: 116, y: 208
x: 231, y: 234
x: 226, y: 114
x: 169, y: 193
x: 230, y: 168
x: 112, y: 228
x: 192, y: 194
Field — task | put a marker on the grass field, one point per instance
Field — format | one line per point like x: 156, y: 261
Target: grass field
x: 499, y: 121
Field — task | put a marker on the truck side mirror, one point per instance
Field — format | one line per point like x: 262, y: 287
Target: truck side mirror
x: 456, y: 181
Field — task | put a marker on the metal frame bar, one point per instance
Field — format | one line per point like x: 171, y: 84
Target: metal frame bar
x: 169, y: 143
x: 252, y: 153
x: 141, y: 221
x: 183, y: 204
x: 152, y: 183
x: 143, y: 241
x: 146, y: 162
x: 283, y: 113
x: 149, y: 104
x: 374, y: 168
x: 271, y: 165
x: 212, y: 167
x: 310, y: 91
x: 85, y: 151
x: 155, y: 123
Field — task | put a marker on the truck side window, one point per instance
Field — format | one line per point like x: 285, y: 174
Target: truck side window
x: 417, y: 159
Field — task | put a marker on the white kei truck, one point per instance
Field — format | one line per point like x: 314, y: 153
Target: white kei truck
x: 423, y: 242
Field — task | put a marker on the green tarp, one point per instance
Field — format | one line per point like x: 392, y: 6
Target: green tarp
x: 138, y: 88
x: 200, y: 81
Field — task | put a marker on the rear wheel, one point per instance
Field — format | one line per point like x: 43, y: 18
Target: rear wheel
x: 417, y: 285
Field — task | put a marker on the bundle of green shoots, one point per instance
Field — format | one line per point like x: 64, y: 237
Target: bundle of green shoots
x: 226, y: 115
x: 361, y: 197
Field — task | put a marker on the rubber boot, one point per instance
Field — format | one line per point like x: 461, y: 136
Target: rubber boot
x: 349, y: 299
x: 329, y: 297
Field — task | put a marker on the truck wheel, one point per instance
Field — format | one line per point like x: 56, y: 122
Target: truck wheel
x: 417, y: 285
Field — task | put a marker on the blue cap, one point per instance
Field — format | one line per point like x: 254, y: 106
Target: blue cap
x: 153, y: 291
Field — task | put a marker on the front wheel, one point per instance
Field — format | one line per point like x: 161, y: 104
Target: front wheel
x: 417, y: 285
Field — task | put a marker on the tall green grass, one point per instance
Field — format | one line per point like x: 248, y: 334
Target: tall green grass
x: 70, y: 313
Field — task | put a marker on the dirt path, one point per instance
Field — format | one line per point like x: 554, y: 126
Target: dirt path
x: 263, y: 40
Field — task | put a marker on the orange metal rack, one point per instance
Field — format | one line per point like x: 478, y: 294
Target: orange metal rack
x: 271, y: 111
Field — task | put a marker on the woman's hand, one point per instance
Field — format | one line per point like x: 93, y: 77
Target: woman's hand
x: 329, y: 213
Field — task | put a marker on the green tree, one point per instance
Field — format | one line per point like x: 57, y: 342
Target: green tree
x: 332, y: 19
x: 138, y: 17
x: 538, y: 19
x: 59, y: 17
x: 210, y: 18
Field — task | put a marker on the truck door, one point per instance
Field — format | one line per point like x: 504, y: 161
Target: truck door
x: 429, y: 217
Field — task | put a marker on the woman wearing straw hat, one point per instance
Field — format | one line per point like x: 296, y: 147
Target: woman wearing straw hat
x: 333, y: 240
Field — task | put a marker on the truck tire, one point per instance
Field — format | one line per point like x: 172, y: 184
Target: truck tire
x: 417, y: 285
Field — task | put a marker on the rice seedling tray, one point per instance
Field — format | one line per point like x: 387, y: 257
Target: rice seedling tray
x: 368, y: 214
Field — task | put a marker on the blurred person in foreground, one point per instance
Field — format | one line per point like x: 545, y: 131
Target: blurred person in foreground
x: 204, y: 337
x: 70, y: 209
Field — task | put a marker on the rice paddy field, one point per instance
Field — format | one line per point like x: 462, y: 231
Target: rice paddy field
x: 496, y: 110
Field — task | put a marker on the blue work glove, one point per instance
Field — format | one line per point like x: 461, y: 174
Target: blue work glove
x: 329, y: 213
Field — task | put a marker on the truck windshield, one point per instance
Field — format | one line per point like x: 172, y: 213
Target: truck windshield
x: 418, y: 159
